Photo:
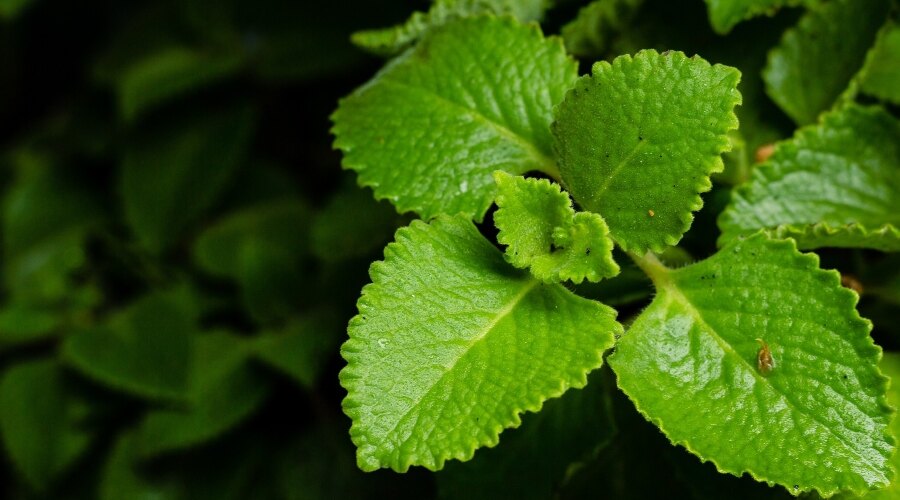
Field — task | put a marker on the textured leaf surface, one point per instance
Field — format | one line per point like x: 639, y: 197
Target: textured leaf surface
x: 543, y: 232
x: 597, y: 24
x: 172, y: 178
x: 144, y: 350
x: 36, y: 420
x: 881, y: 73
x: 725, y: 14
x: 638, y: 139
x: 222, y: 391
x: 834, y: 184
x: 390, y: 41
x: 474, y: 96
x: 170, y: 73
x: 451, y: 344
x: 816, y: 60
x: 817, y: 420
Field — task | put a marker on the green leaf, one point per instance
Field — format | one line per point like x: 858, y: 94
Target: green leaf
x: 816, y: 60
x: 638, y: 139
x: 352, y: 225
x: 38, y: 421
x: 816, y: 420
x: 880, y: 77
x: 542, y: 232
x: 592, y: 31
x: 725, y: 14
x: 451, y: 345
x: 302, y: 348
x: 534, y: 459
x: 834, y: 184
x: 173, y: 176
x: 170, y: 73
x: 223, y: 391
x: 21, y: 324
x: 9, y: 9
x: 474, y: 96
x: 390, y: 41
x: 143, y: 350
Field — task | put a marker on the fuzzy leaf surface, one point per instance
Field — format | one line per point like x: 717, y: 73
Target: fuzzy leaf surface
x: 816, y: 60
x: 474, y: 96
x: 638, y: 139
x: 818, y: 419
x: 543, y: 232
x: 834, y: 184
x: 390, y: 41
x: 451, y: 345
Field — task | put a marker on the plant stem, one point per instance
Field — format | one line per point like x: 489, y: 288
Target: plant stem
x: 650, y: 264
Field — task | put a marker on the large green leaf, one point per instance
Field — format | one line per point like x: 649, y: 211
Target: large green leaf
x: 818, y: 419
x: 816, y: 60
x: 144, y: 350
x: 474, y: 96
x: 543, y: 232
x: 592, y: 31
x: 222, y: 391
x: 38, y: 421
x: 835, y: 184
x: 172, y: 176
x: 451, y: 344
x: 390, y: 41
x: 725, y: 14
x: 638, y: 139
x: 880, y: 76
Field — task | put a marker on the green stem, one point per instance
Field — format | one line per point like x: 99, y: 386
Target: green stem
x: 651, y: 265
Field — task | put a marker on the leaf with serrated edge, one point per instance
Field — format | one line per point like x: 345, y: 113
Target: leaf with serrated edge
x: 638, y: 139
x: 725, y: 14
x: 817, y: 420
x: 816, y: 60
x: 390, y: 41
x: 834, y: 184
x: 474, y: 96
x: 542, y: 232
x: 451, y: 344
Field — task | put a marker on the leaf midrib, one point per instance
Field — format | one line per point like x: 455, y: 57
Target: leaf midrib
x: 675, y: 294
x: 499, y: 316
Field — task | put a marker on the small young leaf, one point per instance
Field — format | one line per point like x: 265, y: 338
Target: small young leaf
x: 172, y: 178
x: 37, y: 421
x: 597, y: 24
x: 223, y: 391
x: 390, y: 41
x: 834, y: 184
x: 474, y: 96
x: 170, y: 73
x: 543, y: 232
x: 816, y: 60
x: 302, y: 348
x: 817, y: 420
x: 144, y: 350
x: 725, y: 14
x: 638, y: 139
x: 880, y: 77
x: 451, y: 344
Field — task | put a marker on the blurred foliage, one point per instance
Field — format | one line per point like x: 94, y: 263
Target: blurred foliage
x: 181, y: 253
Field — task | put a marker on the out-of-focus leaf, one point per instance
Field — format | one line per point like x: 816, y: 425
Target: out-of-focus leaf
x: 171, y: 73
x: 301, y: 349
x: 144, y: 350
x: 9, y: 9
x: 880, y: 76
x: 223, y: 390
x: 122, y: 479
x: 38, y: 421
x: 591, y: 33
x: 21, y: 324
x: 172, y: 176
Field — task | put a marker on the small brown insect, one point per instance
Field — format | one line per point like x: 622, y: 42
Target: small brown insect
x: 764, y: 152
x: 764, y: 360
x: 850, y: 281
x: 651, y: 213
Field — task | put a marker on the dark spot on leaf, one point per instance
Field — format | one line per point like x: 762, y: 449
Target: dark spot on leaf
x: 587, y: 251
x: 640, y: 138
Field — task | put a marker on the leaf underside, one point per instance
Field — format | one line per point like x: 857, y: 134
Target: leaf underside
x: 817, y: 420
x: 473, y: 96
x: 543, y: 232
x: 451, y: 345
x: 836, y: 184
x: 638, y: 139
